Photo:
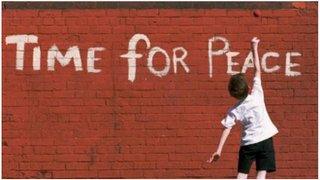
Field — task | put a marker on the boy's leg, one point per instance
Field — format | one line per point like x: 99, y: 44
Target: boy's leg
x: 261, y: 174
x: 265, y: 159
x: 246, y: 157
x: 242, y: 176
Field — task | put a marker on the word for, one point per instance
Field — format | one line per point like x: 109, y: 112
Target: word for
x: 73, y: 53
x: 132, y: 56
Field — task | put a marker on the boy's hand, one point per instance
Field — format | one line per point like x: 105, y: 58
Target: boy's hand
x: 255, y: 41
x: 215, y: 157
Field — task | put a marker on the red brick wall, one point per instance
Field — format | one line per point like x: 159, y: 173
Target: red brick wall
x: 75, y: 124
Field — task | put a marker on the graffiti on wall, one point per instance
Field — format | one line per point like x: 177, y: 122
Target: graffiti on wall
x: 132, y: 56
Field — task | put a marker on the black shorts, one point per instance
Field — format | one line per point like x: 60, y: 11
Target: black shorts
x: 262, y: 152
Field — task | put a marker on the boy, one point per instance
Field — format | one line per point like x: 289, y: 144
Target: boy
x: 258, y: 129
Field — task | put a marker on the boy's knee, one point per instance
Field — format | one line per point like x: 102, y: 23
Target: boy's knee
x: 242, y: 176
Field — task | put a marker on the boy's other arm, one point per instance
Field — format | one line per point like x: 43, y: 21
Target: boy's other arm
x: 215, y: 156
x: 224, y: 136
x: 254, y: 42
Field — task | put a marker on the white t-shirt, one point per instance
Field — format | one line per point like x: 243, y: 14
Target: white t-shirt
x: 252, y: 114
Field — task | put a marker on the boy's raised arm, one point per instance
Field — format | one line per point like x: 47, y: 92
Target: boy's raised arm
x: 254, y: 42
x: 257, y: 87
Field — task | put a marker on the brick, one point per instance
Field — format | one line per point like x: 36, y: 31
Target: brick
x: 109, y: 174
x: 216, y: 12
x: 144, y: 165
x: 77, y: 165
x: 75, y: 173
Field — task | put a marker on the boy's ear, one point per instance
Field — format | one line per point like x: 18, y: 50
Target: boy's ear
x: 249, y: 88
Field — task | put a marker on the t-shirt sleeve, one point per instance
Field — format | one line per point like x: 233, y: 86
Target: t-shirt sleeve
x: 229, y: 120
x: 257, y: 87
